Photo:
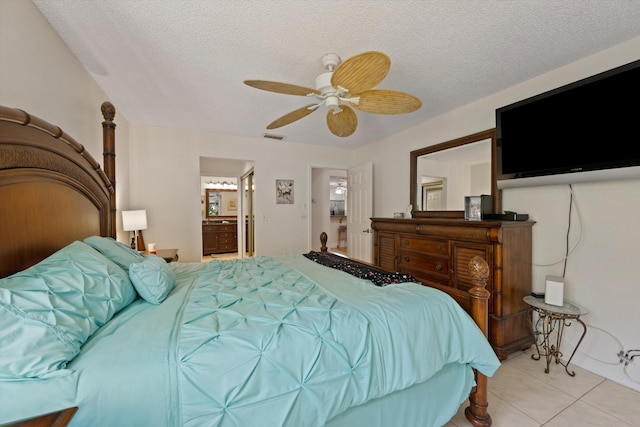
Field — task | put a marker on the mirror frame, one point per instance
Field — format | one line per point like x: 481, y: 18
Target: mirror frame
x: 206, y: 203
x: 468, y: 139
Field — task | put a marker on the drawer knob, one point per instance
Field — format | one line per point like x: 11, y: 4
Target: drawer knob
x: 406, y: 259
x: 438, y: 267
x: 439, y: 247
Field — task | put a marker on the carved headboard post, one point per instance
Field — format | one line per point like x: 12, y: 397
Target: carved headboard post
x: 109, y: 156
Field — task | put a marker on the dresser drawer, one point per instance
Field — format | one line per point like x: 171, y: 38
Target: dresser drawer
x: 432, y: 246
x: 427, y: 278
x: 423, y: 262
x: 219, y: 228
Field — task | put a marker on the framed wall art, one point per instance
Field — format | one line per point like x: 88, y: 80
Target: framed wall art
x: 284, y: 191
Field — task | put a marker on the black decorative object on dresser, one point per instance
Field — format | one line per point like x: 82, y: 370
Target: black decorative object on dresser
x: 437, y: 252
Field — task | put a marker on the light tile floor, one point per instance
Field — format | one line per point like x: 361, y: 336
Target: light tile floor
x: 521, y: 394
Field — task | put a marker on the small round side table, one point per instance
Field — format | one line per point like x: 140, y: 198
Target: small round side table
x: 554, y: 317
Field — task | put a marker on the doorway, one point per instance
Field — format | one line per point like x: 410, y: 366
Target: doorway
x: 329, y: 210
x: 234, y: 206
x: 358, y: 206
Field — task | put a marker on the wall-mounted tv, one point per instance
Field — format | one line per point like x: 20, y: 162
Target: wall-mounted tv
x: 585, y: 131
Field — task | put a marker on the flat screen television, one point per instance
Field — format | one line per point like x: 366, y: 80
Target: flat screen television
x: 585, y: 131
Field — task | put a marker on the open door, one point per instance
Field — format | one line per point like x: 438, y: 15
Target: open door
x: 360, y: 208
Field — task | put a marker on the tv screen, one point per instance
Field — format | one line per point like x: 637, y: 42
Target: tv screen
x: 592, y: 124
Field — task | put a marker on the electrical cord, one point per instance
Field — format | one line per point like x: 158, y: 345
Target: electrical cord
x: 628, y: 359
x: 572, y: 203
x: 595, y: 358
x: 566, y: 250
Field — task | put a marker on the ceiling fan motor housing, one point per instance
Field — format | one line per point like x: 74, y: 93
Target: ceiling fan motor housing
x: 330, y: 61
x: 323, y: 83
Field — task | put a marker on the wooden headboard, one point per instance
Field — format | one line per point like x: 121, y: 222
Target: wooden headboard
x: 52, y: 191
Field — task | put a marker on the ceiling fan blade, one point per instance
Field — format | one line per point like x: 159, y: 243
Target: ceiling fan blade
x: 361, y: 72
x: 292, y: 116
x: 343, y: 123
x: 381, y: 101
x: 285, y: 88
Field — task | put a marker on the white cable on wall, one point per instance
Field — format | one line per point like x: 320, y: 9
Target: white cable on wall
x: 580, y: 222
x: 625, y: 368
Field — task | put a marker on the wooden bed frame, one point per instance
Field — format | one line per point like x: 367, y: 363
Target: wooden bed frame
x: 53, y: 192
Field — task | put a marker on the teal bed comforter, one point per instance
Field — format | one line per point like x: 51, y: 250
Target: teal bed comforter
x: 265, y: 341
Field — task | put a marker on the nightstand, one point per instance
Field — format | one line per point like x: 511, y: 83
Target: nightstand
x: 53, y: 419
x: 169, y: 255
x: 555, y: 318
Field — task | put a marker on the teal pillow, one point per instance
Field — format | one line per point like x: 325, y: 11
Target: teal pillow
x: 117, y: 252
x: 30, y: 347
x: 49, y: 310
x: 152, y: 278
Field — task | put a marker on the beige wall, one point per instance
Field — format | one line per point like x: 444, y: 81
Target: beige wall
x: 601, y: 272
x: 171, y: 157
x: 39, y: 74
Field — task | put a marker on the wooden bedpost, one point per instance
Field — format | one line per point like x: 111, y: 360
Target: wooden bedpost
x: 109, y: 156
x: 476, y: 412
x: 323, y: 241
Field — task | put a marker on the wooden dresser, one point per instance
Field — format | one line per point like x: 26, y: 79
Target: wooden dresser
x: 219, y: 237
x: 437, y: 252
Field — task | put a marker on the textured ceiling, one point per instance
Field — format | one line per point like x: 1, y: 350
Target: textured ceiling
x: 182, y: 63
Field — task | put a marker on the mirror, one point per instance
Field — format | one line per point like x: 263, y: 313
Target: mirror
x: 443, y: 174
x: 220, y: 203
x: 337, y: 196
x: 214, y: 201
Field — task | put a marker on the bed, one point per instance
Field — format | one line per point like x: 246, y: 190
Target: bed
x: 129, y: 340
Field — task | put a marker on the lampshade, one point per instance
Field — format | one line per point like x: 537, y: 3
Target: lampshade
x: 134, y: 220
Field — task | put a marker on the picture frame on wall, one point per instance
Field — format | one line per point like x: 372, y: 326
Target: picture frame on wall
x: 284, y: 191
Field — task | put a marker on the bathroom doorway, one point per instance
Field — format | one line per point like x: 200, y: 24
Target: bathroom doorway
x: 217, y: 230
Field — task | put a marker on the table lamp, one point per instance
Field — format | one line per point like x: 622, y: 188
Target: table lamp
x: 135, y: 221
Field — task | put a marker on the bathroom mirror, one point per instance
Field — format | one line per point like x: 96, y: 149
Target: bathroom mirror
x: 214, y: 203
x: 443, y: 174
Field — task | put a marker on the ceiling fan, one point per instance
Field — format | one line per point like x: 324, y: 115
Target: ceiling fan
x: 343, y: 86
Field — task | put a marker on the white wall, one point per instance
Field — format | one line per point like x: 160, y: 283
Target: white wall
x: 39, y: 74
x: 602, y: 271
x: 166, y: 181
